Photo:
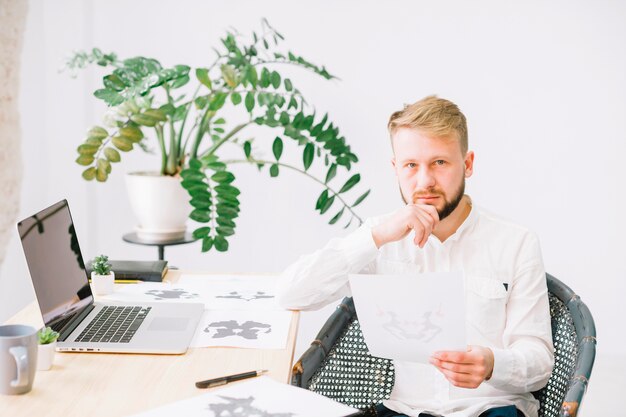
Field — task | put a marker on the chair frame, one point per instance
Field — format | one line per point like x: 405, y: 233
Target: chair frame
x: 313, y: 359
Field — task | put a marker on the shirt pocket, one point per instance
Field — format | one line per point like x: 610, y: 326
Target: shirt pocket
x: 486, y: 300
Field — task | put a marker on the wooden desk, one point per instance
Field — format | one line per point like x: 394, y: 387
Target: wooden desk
x: 107, y: 384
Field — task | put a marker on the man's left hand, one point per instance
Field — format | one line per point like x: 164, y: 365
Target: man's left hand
x: 465, y: 369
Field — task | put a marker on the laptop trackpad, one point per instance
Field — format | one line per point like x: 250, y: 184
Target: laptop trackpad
x: 169, y: 324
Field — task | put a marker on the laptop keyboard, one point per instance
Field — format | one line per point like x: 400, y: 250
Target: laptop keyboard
x: 114, y: 324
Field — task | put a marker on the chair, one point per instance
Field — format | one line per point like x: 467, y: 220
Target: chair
x: 339, y: 366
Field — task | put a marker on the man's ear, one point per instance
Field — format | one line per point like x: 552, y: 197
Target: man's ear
x: 393, y: 166
x: 469, y: 164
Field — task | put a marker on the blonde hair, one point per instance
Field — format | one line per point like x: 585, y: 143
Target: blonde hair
x: 434, y: 116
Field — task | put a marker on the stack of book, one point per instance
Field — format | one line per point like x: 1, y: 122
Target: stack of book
x: 153, y: 271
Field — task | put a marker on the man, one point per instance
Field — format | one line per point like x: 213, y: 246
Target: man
x: 510, y: 350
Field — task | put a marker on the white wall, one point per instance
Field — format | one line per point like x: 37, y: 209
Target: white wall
x: 541, y: 83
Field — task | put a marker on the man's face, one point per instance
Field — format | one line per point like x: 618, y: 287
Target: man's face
x: 430, y: 170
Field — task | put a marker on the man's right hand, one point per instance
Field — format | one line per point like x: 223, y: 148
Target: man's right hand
x: 421, y: 218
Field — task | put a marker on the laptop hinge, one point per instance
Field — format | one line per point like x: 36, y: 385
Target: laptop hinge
x: 67, y: 330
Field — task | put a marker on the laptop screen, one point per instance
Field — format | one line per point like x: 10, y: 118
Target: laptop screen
x: 55, y: 263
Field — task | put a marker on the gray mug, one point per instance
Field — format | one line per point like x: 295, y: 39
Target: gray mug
x: 18, y: 358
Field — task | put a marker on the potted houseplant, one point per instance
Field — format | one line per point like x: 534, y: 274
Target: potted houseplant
x: 186, y: 111
x: 47, y: 347
x: 102, y: 278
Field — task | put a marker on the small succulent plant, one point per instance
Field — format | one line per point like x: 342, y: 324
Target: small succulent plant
x: 101, y: 265
x: 47, y: 336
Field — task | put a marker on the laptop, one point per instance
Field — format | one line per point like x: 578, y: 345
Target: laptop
x: 67, y: 304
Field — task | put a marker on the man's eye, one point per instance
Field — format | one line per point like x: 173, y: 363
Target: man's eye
x: 440, y: 162
x: 411, y: 165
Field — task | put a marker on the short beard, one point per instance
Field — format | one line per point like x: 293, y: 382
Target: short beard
x: 449, y: 206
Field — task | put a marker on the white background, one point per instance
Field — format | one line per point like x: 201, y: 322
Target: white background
x: 542, y: 84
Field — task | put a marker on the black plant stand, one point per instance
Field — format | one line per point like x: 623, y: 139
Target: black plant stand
x: 133, y: 238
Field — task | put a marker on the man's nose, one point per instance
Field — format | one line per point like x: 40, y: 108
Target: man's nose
x: 425, y: 178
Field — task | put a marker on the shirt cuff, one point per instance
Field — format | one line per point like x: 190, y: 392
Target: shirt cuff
x: 504, y: 367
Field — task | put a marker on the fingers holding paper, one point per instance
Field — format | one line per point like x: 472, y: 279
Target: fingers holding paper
x: 465, y: 369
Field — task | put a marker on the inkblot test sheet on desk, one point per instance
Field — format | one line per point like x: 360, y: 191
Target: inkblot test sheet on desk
x: 408, y: 317
x: 240, y: 310
x: 260, y: 396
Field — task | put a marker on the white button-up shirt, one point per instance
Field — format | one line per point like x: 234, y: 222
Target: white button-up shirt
x: 506, y: 303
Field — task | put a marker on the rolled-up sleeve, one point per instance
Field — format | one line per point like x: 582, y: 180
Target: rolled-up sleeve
x: 525, y: 361
x: 320, y: 278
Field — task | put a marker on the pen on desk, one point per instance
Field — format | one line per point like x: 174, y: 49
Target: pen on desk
x: 209, y: 383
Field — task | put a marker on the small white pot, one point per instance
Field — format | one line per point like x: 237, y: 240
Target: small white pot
x: 45, y: 356
x: 161, y: 205
x: 102, y: 284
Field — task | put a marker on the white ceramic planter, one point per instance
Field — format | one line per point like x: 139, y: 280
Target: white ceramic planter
x: 160, y: 204
x: 102, y: 284
x: 45, y: 356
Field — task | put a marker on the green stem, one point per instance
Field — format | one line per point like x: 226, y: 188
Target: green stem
x: 220, y: 142
x: 159, y: 132
x: 259, y: 161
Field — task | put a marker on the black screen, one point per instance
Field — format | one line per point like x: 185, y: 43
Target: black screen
x: 55, y: 263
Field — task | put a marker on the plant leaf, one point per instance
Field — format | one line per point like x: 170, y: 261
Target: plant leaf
x: 235, y: 98
x: 131, y: 132
x: 207, y: 244
x: 332, y: 171
x: 274, y: 170
x: 277, y: 147
x: 250, y: 101
x: 275, y: 79
x: 121, y: 143
x: 202, y: 74
x: 350, y: 183
x: 85, y: 160
x: 307, y: 155
x: 247, y: 149
x: 89, y: 174
x: 201, y: 232
x: 361, y: 198
x: 200, y: 215
x: 327, y: 204
x: 336, y: 217
x: 220, y: 243
x: 97, y: 132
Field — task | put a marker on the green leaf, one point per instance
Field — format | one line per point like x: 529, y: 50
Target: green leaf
x: 101, y: 174
x: 230, y: 75
x: 321, y: 200
x: 288, y: 85
x: 89, y: 174
x: 202, y: 74
x: 284, y: 118
x: 222, y: 221
x: 221, y: 244
x: 275, y: 79
x: 336, y: 217
x: 332, y: 171
x: 97, y: 132
x: 327, y: 205
x: 201, y: 232
x: 158, y: 115
x: 85, y: 149
x: 227, y: 189
x: 200, y: 215
x: 131, y: 132
x: 277, y: 147
x: 361, y: 198
x: 110, y: 97
x: 225, y: 231
x: 235, y: 98
x: 265, y: 78
x: 350, y: 183
x: 103, y: 164
x: 250, y: 101
x: 274, y: 170
x: 180, y: 81
x: 207, y: 244
x: 195, y: 164
x: 143, y: 120
x: 112, y: 155
x: 223, y: 177
x: 121, y: 143
x: 93, y: 141
x: 247, y: 149
x: 85, y: 160
x: 307, y: 155
x: 251, y: 75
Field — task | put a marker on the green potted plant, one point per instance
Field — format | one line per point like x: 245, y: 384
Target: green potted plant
x: 102, y: 277
x: 195, y: 115
x: 47, y: 347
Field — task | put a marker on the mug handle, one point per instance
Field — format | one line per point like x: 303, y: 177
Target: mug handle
x: 20, y: 353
